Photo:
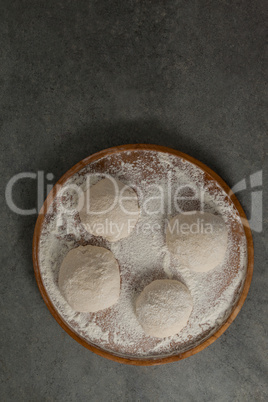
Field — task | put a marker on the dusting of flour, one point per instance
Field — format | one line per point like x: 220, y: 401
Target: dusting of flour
x: 143, y: 256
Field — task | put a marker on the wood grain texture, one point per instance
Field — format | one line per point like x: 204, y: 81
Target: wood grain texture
x: 99, y: 351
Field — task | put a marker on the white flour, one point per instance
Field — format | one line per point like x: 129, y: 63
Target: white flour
x: 143, y: 257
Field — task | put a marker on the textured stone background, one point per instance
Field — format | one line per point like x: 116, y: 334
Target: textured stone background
x: 80, y: 76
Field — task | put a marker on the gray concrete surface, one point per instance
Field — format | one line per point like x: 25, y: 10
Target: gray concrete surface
x: 77, y: 77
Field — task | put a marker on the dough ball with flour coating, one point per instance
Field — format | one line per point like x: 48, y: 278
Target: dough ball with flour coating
x: 89, y: 278
x: 111, y: 209
x: 199, y: 240
x: 164, y: 307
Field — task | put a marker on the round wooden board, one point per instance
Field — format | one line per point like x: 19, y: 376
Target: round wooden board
x: 77, y: 337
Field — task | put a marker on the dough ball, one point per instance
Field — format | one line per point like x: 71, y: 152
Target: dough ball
x: 89, y: 278
x: 198, y: 239
x: 164, y: 307
x: 111, y: 210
